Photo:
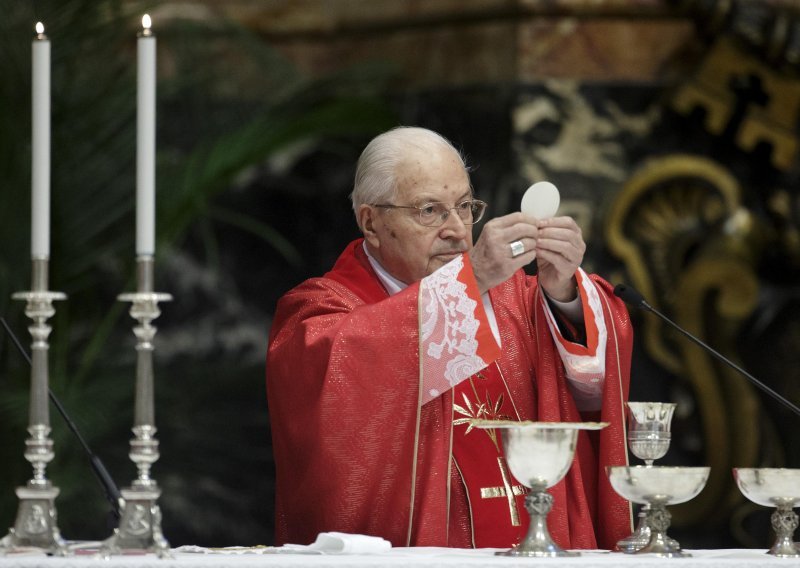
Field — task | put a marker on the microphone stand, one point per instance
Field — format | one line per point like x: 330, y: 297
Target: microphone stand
x: 110, y: 488
x: 631, y: 296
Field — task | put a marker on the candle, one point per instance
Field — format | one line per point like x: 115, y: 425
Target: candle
x: 146, y: 140
x: 40, y: 146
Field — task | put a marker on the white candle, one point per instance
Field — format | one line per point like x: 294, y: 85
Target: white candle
x: 40, y: 146
x: 146, y: 141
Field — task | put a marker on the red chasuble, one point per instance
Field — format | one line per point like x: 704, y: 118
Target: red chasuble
x: 366, y: 411
x: 495, y: 501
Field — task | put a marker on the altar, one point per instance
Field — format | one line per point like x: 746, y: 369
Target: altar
x: 419, y: 557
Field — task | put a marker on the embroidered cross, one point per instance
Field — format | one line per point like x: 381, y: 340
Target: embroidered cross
x: 506, y: 490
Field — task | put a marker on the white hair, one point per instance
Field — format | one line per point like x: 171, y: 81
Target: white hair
x: 376, y: 170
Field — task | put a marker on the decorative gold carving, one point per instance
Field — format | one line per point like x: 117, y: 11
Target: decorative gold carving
x: 663, y: 213
x: 716, y: 295
x: 689, y: 246
x: 746, y: 99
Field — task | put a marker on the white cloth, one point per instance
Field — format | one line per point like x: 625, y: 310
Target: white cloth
x: 274, y: 557
x: 344, y: 543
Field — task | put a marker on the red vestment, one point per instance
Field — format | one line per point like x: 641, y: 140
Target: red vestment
x: 356, y: 450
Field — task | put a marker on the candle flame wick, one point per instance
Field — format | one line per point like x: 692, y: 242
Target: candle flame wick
x: 146, y: 22
x: 39, y: 28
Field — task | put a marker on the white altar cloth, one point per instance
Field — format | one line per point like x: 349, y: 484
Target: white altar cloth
x: 421, y: 557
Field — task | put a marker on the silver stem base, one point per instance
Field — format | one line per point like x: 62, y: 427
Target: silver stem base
x: 35, y: 526
x: 784, y: 522
x: 139, y: 525
x: 659, y: 520
x: 640, y: 536
x: 537, y: 542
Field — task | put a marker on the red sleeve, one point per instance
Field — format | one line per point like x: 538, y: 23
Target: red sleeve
x: 343, y: 390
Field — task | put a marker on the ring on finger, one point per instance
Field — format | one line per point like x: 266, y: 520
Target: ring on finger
x: 517, y: 248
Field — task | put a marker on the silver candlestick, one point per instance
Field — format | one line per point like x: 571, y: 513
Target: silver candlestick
x: 36, y: 524
x: 140, y: 522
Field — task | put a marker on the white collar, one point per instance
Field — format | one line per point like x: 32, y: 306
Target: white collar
x: 392, y: 284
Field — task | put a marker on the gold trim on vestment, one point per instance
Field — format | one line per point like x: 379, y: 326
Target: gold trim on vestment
x: 416, y: 429
x: 621, y: 402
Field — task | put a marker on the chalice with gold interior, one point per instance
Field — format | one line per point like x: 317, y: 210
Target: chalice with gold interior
x: 539, y: 454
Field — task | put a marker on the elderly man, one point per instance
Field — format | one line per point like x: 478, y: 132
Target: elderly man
x: 375, y: 370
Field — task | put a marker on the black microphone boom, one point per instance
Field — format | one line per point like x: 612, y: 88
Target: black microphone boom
x: 109, y: 487
x: 634, y: 298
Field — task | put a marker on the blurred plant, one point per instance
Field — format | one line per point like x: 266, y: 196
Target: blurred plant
x: 227, y: 104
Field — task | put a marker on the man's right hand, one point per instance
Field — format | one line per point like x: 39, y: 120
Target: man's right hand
x: 491, y: 257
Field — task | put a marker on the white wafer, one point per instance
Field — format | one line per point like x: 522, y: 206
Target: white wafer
x: 541, y: 200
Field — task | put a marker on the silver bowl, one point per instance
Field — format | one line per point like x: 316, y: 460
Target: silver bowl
x: 779, y: 488
x: 539, y: 455
x: 657, y: 487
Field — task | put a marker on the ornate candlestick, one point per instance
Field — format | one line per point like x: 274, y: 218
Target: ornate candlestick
x: 36, y: 525
x: 140, y: 522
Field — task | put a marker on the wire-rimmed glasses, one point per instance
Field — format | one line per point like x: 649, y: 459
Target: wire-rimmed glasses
x: 434, y: 214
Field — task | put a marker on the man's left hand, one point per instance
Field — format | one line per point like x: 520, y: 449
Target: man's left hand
x: 559, y: 253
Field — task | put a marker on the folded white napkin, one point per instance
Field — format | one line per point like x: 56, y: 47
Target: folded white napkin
x: 343, y: 543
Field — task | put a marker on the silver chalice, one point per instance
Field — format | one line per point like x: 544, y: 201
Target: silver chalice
x: 658, y: 486
x: 779, y: 488
x: 649, y: 429
x: 649, y: 437
x: 539, y: 455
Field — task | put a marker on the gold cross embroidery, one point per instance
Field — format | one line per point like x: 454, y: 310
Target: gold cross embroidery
x: 507, y: 490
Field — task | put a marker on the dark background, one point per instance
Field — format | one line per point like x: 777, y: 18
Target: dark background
x: 263, y: 109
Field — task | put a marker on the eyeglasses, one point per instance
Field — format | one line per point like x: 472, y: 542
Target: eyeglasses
x: 434, y: 214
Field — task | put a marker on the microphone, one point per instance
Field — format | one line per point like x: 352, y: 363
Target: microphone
x: 110, y: 488
x: 634, y: 298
